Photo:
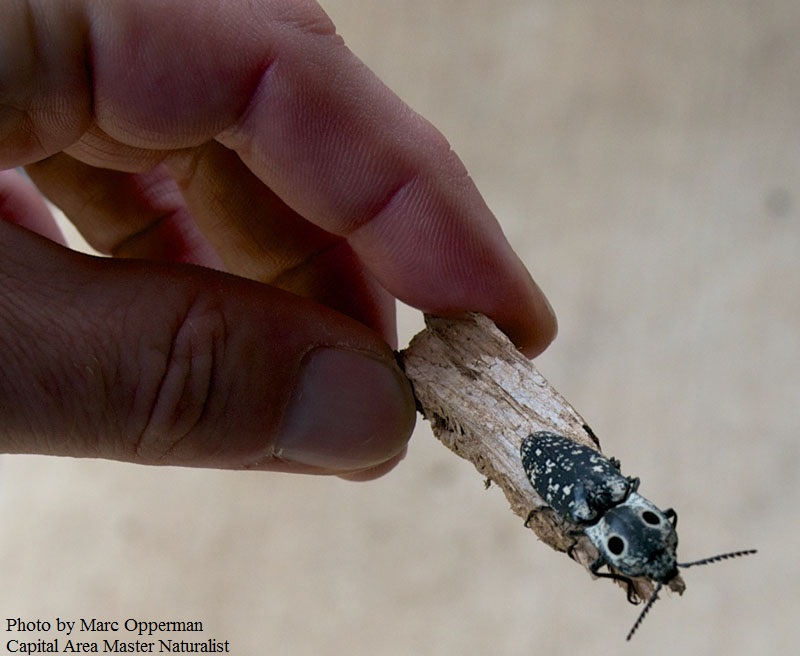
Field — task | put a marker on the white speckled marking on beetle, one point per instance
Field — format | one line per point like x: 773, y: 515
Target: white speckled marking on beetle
x: 631, y: 534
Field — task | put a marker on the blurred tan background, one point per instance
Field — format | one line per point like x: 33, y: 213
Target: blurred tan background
x: 644, y: 160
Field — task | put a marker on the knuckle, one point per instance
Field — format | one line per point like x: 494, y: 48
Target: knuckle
x: 183, y: 388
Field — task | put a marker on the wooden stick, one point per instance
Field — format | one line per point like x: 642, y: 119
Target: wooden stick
x: 483, y: 397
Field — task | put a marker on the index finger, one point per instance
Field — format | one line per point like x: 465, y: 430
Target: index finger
x: 274, y: 82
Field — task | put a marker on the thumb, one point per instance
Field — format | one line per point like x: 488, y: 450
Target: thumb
x: 180, y: 365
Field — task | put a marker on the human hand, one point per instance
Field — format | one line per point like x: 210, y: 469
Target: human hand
x: 244, y: 137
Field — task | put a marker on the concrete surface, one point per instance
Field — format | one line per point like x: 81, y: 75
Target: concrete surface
x: 644, y: 159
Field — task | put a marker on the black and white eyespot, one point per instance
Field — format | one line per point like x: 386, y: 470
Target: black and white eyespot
x: 616, y: 545
x: 650, y: 518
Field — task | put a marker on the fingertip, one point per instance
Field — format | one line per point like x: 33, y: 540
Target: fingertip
x: 523, y: 314
x: 23, y: 205
x: 372, y: 473
x: 349, y: 411
x: 540, y: 329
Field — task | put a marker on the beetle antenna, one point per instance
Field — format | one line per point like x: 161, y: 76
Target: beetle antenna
x: 716, y: 559
x: 645, y: 610
x: 702, y: 561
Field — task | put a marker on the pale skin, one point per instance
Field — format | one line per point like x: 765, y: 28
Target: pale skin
x: 243, y: 137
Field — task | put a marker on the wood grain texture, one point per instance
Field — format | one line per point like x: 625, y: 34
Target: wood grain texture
x: 483, y: 397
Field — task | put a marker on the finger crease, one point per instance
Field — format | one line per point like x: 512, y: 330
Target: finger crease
x: 397, y: 194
